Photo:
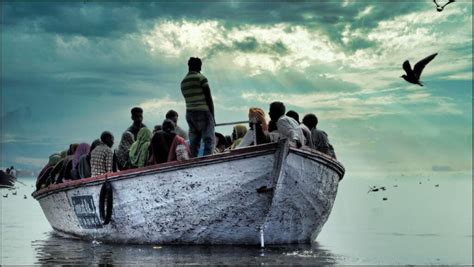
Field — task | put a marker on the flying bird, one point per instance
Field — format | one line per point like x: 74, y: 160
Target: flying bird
x: 413, y: 76
x: 440, y: 8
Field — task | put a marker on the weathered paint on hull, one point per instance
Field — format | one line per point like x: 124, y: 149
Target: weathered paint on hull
x: 215, y: 203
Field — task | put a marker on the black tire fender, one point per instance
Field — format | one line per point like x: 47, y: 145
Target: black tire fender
x: 106, y: 203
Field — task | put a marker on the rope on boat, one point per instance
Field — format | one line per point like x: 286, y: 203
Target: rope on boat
x: 231, y: 123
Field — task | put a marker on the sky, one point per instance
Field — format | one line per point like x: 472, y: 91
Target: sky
x: 71, y: 70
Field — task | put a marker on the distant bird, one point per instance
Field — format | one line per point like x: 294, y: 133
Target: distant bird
x: 5, y: 195
x: 437, y: 185
x: 14, y: 193
x: 413, y: 76
x: 384, y: 198
x: 440, y: 8
x: 24, y: 196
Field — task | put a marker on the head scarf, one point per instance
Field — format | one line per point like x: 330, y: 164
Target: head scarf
x: 82, y: 149
x: 259, y: 115
x: 53, y: 159
x: 240, y: 131
x: 63, y: 154
x: 139, y: 149
x: 72, y: 149
x: 124, y: 147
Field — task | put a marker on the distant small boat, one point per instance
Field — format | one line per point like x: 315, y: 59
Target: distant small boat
x: 6, y: 180
x: 208, y: 200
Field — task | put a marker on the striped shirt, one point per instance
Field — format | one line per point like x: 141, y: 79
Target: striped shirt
x: 192, y: 88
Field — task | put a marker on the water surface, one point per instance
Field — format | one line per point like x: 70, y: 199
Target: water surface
x: 418, y: 223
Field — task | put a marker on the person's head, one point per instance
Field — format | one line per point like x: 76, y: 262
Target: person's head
x: 277, y: 109
x: 11, y: 168
x: 194, y: 64
x: 157, y: 128
x: 72, y: 149
x: 257, y: 115
x: 293, y: 114
x: 172, y: 115
x: 239, y: 131
x: 310, y: 120
x: 107, y: 138
x: 54, y: 159
x: 169, y: 126
x: 221, y: 142
x: 137, y: 115
x: 127, y: 139
x: 7, y: 170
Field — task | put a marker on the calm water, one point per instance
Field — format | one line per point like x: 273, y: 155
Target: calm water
x: 419, y: 223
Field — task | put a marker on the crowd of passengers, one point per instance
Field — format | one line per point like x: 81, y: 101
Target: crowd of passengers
x: 141, y: 147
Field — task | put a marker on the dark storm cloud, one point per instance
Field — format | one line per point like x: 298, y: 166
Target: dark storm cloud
x: 249, y: 45
x: 111, y: 18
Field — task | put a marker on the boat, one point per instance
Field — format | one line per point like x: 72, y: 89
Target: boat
x: 266, y: 194
x: 6, y: 180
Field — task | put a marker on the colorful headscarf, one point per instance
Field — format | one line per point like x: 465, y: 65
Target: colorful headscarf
x: 139, y: 150
x: 82, y: 149
x: 124, y: 148
x: 259, y: 115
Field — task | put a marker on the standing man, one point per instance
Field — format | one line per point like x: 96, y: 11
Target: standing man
x: 199, y: 108
x: 137, y: 118
x: 102, y: 156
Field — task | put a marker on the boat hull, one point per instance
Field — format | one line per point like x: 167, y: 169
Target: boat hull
x: 212, y: 200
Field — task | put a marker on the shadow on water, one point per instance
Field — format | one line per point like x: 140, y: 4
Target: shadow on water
x: 59, y: 250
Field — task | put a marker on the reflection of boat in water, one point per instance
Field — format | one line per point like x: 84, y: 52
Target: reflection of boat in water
x: 56, y: 250
x: 6, y: 180
x: 209, y: 200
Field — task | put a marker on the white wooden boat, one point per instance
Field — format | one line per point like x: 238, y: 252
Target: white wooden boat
x: 209, y: 200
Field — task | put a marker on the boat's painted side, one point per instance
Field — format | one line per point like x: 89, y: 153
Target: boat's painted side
x: 205, y: 201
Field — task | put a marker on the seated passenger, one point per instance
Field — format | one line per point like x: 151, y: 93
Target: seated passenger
x: 46, y: 171
x: 306, y: 132
x: 138, y: 153
x: 258, y: 129
x: 102, y: 155
x: 84, y: 165
x: 166, y: 145
x: 287, y: 127
x: 53, y: 176
x: 122, y: 152
x: 65, y: 173
x: 320, y: 140
x: 82, y: 149
x: 220, y: 143
x: 179, y: 150
x: 173, y: 116
x: 237, y: 134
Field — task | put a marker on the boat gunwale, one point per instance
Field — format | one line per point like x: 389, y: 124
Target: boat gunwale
x: 241, y: 153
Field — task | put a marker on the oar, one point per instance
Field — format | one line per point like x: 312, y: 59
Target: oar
x: 231, y: 123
